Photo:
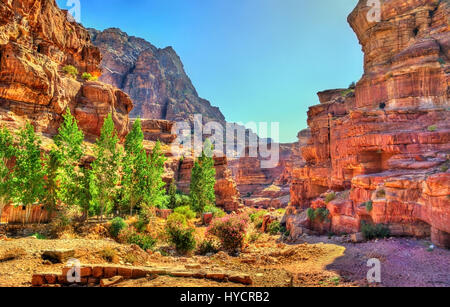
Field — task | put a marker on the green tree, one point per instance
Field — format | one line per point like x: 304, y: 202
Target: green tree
x: 71, y: 176
x: 155, y: 192
x: 50, y: 197
x: 203, y: 180
x: 28, y: 185
x: 134, y: 168
x: 104, y: 176
x: 6, y: 152
x: 172, y: 195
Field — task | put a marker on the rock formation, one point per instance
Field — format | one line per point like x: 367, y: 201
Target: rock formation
x: 383, y: 145
x: 36, y: 41
x: 154, y: 78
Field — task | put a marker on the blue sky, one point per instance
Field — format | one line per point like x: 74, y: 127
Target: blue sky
x: 258, y: 60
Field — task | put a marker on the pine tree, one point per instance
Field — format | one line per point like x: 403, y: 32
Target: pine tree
x: 105, y: 177
x: 69, y: 143
x: 6, y: 152
x: 203, y: 180
x: 155, y: 192
x: 28, y: 185
x: 134, y: 168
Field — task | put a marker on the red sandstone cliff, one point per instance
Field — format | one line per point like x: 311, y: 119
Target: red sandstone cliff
x: 387, y: 140
x: 36, y: 42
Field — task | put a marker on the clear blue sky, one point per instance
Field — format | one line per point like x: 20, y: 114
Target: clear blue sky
x: 258, y: 60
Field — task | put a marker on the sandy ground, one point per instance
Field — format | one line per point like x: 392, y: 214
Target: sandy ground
x: 317, y: 262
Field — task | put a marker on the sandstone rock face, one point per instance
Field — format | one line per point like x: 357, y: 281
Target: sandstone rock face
x: 154, y: 78
x: 384, y: 145
x: 36, y: 41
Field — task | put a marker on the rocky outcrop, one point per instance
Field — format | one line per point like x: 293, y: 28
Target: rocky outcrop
x: 154, y: 78
x: 383, y: 145
x: 36, y: 41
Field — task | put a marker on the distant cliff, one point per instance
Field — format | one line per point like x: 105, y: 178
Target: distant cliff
x: 154, y: 78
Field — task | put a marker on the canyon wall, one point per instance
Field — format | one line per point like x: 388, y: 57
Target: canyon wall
x: 383, y: 145
x: 36, y: 41
x: 154, y: 78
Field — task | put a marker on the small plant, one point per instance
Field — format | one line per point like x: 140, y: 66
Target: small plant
x: 143, y: 241
x: 257, y: 218
x: 109, y: 255
x: 186, y: 211
x: 230, y: 230
x: 369, y: 205
x: 130, y: 258
x: 330, y: 197
x: 274, y: 228
x: 88, y: 77
x: 71, y: 71
x: 322, y: 214
x: 217, y: 212
x: 311, y: 214
x: 117, y: 225
x: 254, y: 236
x: 432, y: 128
x: 39, y: 236
x: 444, y: 168
x: 441, y: 61
x: 335, y: 280
x: 352, y: 85
x: 208, y: 246
x: 378, y: 231
x: 180, y: 233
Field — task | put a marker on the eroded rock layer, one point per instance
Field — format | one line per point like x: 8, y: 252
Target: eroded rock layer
x: 383, y: 146
x: 154, y: 78
x: 36, y: 41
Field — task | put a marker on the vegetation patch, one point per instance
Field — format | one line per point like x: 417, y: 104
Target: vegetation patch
x: 378, y: 231
x: 71, y: 70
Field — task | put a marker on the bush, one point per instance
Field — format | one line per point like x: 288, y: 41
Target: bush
x: 39, y: 236
x: 330, y: 197
x: 432, y: 128
x: 186, y: 211
x: 71, y: 70
x: 375, y: 231
x: 311, y: 214
x: 230, y: 230
x: 208, y: 246
x: 444, y: 168
x: 109, y: 255
x: 88, y: 77
x: 320, y: 213
x: 369, y: 206
x: 117, y: 225
x: 143, y: 241
x: 257, y: 218
x: 180, y: 233
x: 274, y: 228
x: 217, y: 212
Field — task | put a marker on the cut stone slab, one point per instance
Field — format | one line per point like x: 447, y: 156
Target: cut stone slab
x: 58, y: 255
x: 108, y: 282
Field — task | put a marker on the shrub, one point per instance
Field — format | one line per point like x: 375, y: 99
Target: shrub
x: 109, y: 255
x: 274, y: 228
x: 143, y: 241
x: 257, y: 218
x: 444, y: 168
x: 320, y: 213
x: 117, y: 225
x: 180, y: 233
x: 217, y: 212
x: 375, y: 231
x: 88, y: 77
x: 186, y: 211
x: 369, y: 206
x: 330, y: 197
x: 441, y: 61
x: 230, y: 230
x: 432, y: 128
x: 130, y: 258
x: 71, y: 70
x: 39, y: 236
x: 208, y: 246
x: 183, y: 200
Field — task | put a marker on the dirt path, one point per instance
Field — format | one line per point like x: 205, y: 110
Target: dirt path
x: 318, y: 263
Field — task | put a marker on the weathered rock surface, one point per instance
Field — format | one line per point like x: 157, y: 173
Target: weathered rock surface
x: 36, y: 41
x: 154, y: 78
x: 387, y: 140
